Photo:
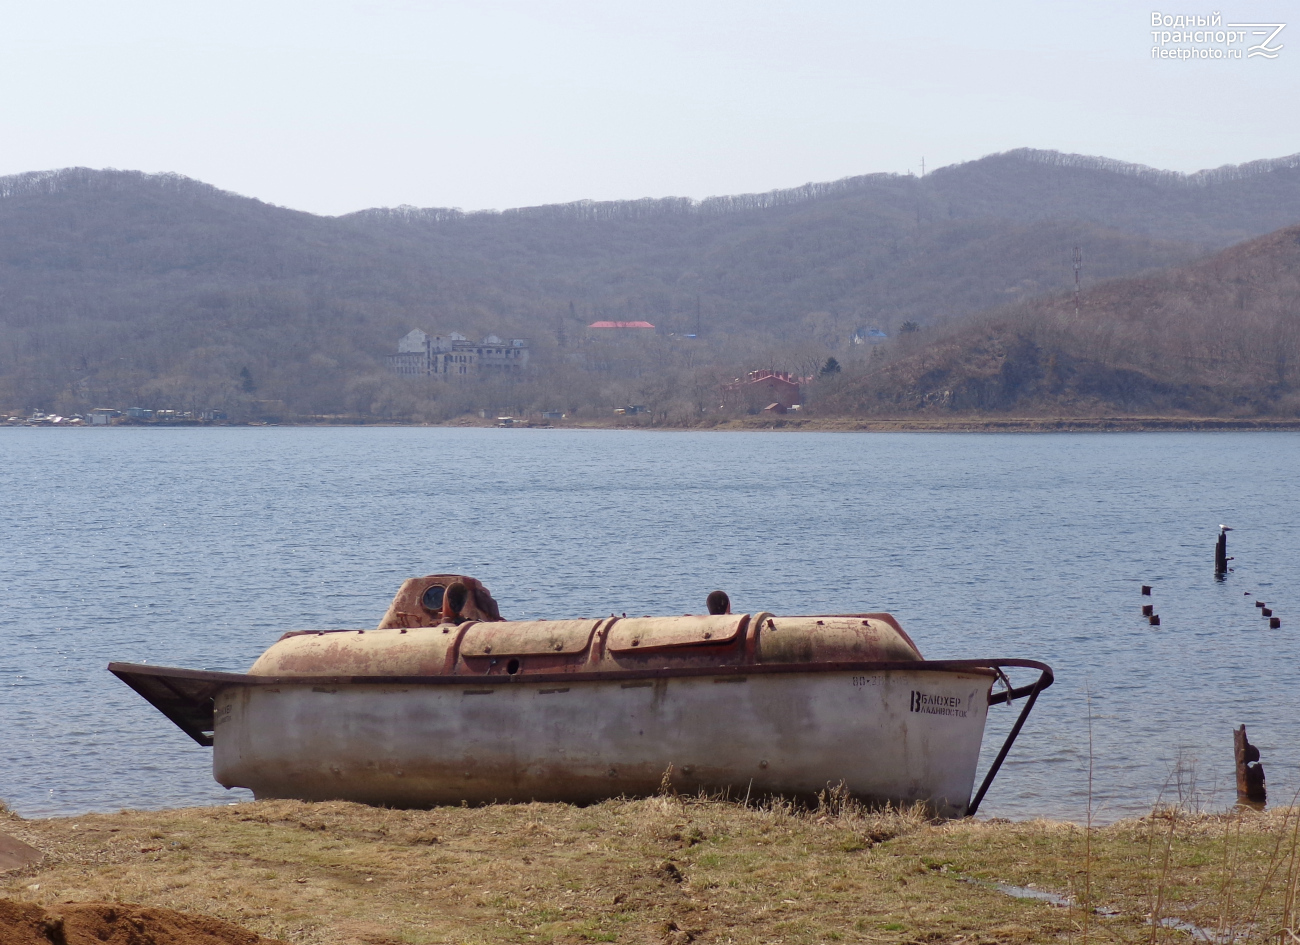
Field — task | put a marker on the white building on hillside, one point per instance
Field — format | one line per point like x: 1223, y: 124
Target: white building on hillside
x: 423, y: 355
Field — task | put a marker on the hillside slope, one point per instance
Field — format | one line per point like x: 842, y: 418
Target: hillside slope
x: 119, y: 286
x: 1220, y: 337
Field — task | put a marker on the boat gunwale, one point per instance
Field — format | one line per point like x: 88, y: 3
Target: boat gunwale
x: 980, y: 666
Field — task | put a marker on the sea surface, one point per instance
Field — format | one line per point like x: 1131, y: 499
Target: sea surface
x: 199, y: 547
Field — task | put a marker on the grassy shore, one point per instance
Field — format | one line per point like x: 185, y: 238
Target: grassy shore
x: 673, y: 870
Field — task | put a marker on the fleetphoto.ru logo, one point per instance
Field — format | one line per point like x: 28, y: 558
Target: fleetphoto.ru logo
x: 1207, y: 37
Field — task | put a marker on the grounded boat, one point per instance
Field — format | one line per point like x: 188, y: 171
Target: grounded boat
x: 425, y: 710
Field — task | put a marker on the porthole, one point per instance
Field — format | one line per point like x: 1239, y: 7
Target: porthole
x: 432, y: 599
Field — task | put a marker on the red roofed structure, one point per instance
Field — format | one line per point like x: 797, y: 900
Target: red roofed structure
x: 763, y: 387
x: 621, y: 325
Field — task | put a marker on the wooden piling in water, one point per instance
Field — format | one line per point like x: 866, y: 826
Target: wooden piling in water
x: 1250, y: 773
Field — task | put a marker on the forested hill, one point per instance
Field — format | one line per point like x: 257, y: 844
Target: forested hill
x: 1216, y: 207
x: 119, y: 286
x: 1220, y: 338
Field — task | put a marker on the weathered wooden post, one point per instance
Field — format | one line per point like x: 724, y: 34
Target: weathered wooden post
x: 1221, y: 551
x: 1250, y: 773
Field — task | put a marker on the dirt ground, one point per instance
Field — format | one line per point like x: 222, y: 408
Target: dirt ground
x: 109, y: 923
x: 671, y: 870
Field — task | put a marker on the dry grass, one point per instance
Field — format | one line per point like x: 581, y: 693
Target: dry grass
x: 665, y: 870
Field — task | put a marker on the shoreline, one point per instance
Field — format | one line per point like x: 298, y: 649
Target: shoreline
x: 669, y: 869
x: 776, y: 424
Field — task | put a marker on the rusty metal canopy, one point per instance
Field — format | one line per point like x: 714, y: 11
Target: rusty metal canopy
x: 528, y: 638
x: 657, y: 633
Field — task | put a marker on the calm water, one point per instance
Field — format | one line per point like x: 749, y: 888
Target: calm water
x: 198, y: 548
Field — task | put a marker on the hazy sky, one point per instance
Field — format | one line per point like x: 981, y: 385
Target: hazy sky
x: 332, y: 106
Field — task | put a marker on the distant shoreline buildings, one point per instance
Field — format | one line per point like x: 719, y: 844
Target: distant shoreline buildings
x: 767, y: 389
x: 420, y: 354
x: 112, y: 417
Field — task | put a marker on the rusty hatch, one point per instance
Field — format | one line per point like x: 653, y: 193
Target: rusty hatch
x: 637, y: 634
x: 528, y: 638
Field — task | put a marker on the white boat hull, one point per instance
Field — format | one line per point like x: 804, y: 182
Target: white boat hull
x: 899, y: 736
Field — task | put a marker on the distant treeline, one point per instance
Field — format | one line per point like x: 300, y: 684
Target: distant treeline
x: 125, y: 289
